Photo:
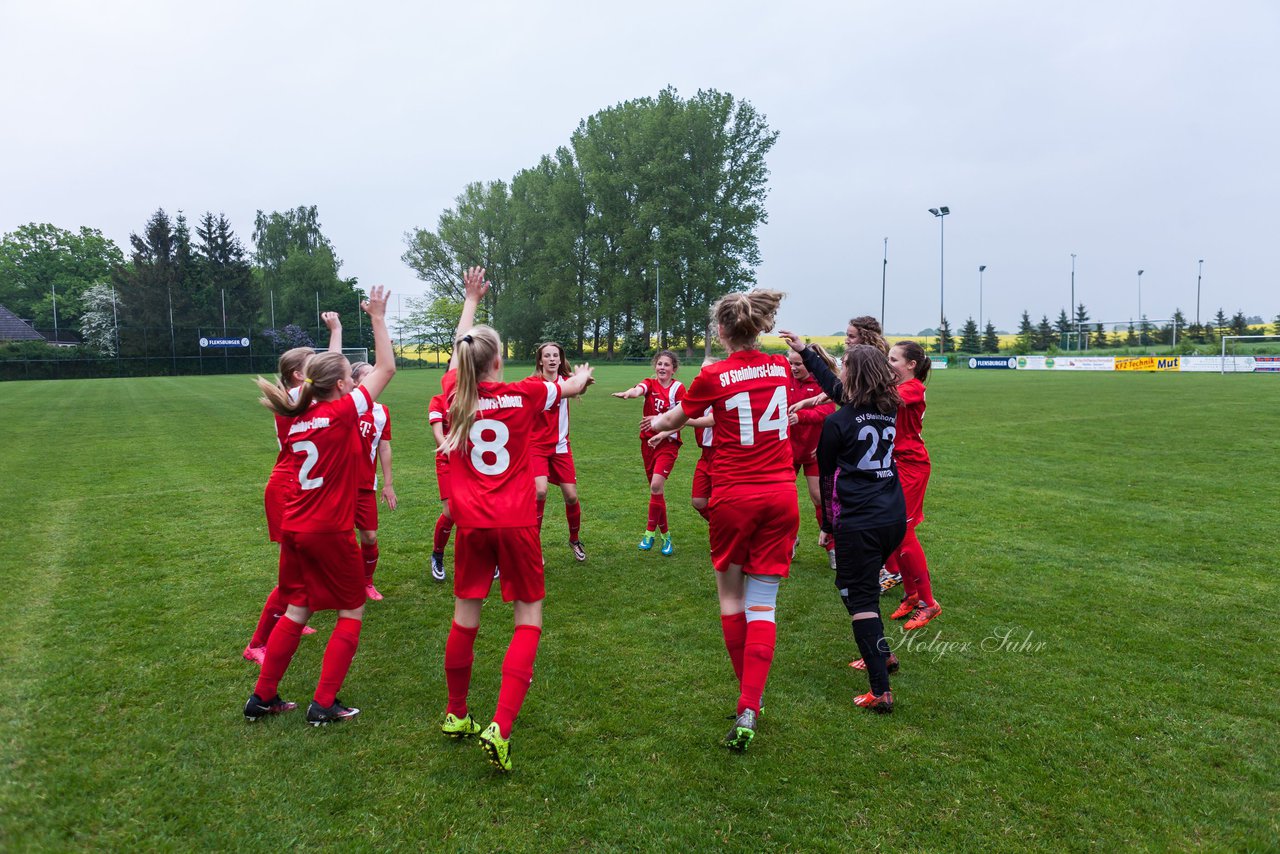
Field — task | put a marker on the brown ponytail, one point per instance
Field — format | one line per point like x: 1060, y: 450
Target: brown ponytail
x: 742, y: 317
x: 870, y: 332
x: 322, y: 371
x: 473, y: 354
x: 913, y: 352
x: 824, y: 355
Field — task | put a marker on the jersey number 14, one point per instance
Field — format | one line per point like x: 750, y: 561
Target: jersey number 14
x: 774, y: 419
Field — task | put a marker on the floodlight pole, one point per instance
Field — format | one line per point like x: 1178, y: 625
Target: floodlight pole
x: 1140, y: 329
x: 884, y: 268
x: 657, y: 299
x: 1073, y: 297
x: 1199, y: 273
x: 981, y: 268
x: 941, y: 213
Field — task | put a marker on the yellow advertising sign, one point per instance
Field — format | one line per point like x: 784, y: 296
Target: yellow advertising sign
x: 1147, y: 363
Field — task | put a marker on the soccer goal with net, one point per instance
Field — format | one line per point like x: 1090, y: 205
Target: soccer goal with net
x: 1244, y: 363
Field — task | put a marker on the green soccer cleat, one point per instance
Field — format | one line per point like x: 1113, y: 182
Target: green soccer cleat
x: 667, y: 548
x: 497, y: 748
x: 456, y: 727
x: 742, y: 731
x: 646, y: 542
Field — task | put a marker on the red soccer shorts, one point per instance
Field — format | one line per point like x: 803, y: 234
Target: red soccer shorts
x: 279, y: 491
x: 810, y: 465
x: 556, y: 468
x: 366, y: 510
x: 442, y: 476
x: 915, y: 480
x: 702, y: 477
x: 756, y: 531
x: 660, y: 460
x: 517, y: 552
x: 321, y: 571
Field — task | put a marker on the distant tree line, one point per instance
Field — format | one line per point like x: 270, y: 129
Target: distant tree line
x: 1079, y: 333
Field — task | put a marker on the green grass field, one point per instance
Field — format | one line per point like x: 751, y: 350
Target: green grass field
x: 1118, y: 529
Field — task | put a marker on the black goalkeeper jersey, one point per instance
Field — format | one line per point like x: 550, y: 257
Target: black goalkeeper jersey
x: 860, y: 487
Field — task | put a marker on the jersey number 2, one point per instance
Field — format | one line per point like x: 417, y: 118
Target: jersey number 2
x: 774, y: 418
x: 305, y: 480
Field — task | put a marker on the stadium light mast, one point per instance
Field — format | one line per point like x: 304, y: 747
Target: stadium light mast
x: 1199, y: 273
x: 1073, y: 297
x: 940, y: 213
x: 657, y: 299
x: 1140, y: 324
x: 884, y: 268
x: 981, y: 268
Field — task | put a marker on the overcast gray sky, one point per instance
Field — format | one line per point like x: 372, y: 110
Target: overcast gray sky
x: 1137, y: 135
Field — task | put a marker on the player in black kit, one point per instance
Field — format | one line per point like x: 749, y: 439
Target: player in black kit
x: 863, y: 506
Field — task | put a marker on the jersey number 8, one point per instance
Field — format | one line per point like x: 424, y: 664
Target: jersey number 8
x: 496, y: 446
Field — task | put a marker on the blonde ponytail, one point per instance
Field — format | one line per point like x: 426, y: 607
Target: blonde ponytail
x: 742, y: 317
x: 321, y: 373
x: 473, y: 352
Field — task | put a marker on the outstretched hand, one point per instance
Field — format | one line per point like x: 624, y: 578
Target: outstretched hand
x: 331, y: 320
x: 792, y: 339
x: 585, y: 369
x: 475, y: 284
x: 376, y: 304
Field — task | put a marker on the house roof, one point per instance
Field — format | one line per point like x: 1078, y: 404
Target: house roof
x: 12, y: 328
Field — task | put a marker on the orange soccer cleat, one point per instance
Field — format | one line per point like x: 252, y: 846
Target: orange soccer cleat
x: 882, y: 705
x: 891, y: 665
x: 922, y: 616
x: 905, y: 607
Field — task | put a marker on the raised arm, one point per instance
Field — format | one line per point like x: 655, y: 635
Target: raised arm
x: 334, y: 322
x: 476, y: 286
x: 575, y: 385
x: 384, y: 366
x: 829, y: 381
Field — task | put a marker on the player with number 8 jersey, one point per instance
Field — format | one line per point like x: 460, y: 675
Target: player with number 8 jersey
x: 754, y: 517
x: 492, y: 425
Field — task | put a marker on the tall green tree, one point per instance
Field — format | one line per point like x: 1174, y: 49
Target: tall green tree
x: 990, y: 340
x: 1064, y: 328
x: 223, y: 268
x: 1239, y: 324
x: 41, y: 263
x: 1027, y: 339
x: 970, y: 340
x: 1044, y: 334
x: 1099, y: 340
x: 299, y: 268
x: 946, y: 343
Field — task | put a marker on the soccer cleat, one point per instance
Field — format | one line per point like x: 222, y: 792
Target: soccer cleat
x: 372, y: 593
x: 437, y: 566
x: 882, y: 705
x: 667, y: 548
x: 742, y: 731
x: 318, y: 715
x: 256, y: 654
x: 497, y: 748
x: 456, y: 727
x: 579, y: 553
x: 307, y: 630
x: 891, y: 665
x: 922, y: 616
x: 646, y: 542
x: 888, y: 580
x: 257, y: 707
x: 831, y: 556
x: 905, y: 607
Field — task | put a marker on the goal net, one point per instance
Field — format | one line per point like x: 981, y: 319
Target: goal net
x: 1250, y: 354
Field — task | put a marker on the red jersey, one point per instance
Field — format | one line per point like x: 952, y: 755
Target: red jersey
x: 748, y: 395
x: 326, y: 442
x: 490, y: 479
x: 658, y: 400
x: 553, y: 431
x: 438, y: 412
x: 805, y: 432
x: 705, y: 437
x: 375, y: 428
x: 908, y: 447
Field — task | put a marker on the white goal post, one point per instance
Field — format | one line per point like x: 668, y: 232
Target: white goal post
x: 1226, y: 338
x: 353, y: 354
